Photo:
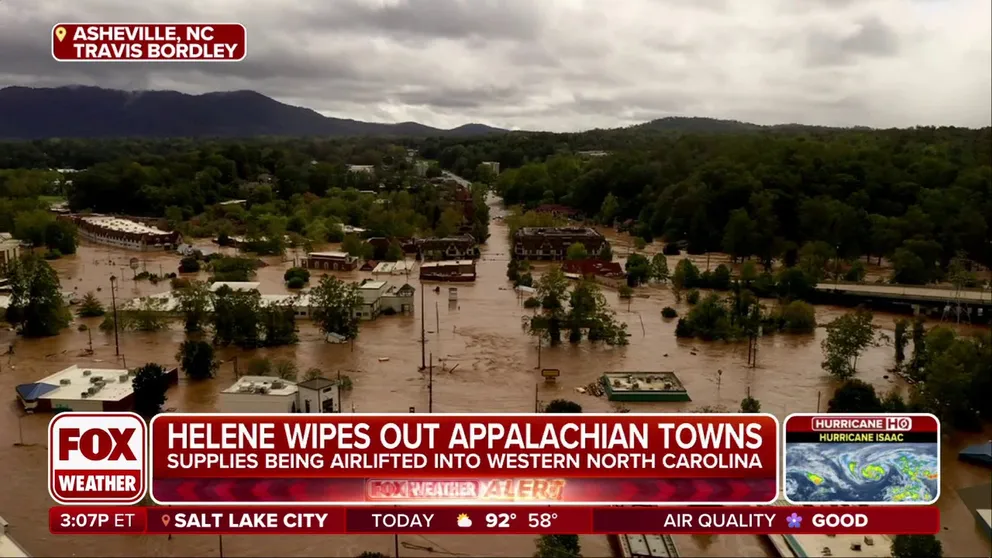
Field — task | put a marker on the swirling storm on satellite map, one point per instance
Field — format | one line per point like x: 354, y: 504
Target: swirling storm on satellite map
x: 890, y: 473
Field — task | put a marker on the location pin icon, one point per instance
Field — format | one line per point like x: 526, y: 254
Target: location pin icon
x: 60, y: 33
x: 165, y: 520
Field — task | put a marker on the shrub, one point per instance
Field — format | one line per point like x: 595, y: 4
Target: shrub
x: 798, y: 317
x: 669, y: 313
x: 532, y: 303
x: 53, y: 254
x: 671, y: 249
x: 296, y: 283
x: 692, y: 297
x: 189, y: 264
x: 300, y: 273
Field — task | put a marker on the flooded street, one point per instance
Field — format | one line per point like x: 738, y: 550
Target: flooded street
x: 483, y: 362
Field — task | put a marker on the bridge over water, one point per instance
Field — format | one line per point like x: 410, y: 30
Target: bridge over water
x: 964, y: 305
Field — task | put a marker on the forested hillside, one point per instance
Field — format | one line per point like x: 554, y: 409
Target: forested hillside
x: 918, y: 196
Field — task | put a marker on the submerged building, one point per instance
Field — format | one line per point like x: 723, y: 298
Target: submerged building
x: 83, y: 389
x: 125, y: 233
x: 551, y: 243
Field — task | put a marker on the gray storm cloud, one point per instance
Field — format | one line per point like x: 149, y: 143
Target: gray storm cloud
x: 560, y: 64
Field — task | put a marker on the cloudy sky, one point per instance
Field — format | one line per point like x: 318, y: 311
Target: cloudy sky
x: 559, y: 64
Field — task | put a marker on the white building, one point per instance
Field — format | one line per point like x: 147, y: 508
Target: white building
x: 492, y: 165
x: 397, y: 300
x: 402, y: 267
x: 262, y: 394
x: 371, y: 293
x: 83, y: 389
x: 125, y: 233
x: 10, y: 249
x: 259, y: 394
x: 8, y: 546
x: 361, y: 168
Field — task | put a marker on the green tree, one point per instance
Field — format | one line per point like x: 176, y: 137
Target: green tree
x: 847, y: 337
x: 195, y: 303
x: 854, y: 396
x: 558, y: 546
x: 313, y: 374
x: 259, y: 366
x: 237, y: 318
x: 750, y: 405
x: 562, y: 406
x: 577, y: 251
x: 277, y: 320
x: 394, y: 252
x: 353, y: 246
x: 302, y: 275
x: 36, y: 306
x: 552, y: 290
x: 638, y: 269
x: 196, y: 358
x: 189, y: 264
x: 334, y: 305
x: 659, y: 267
x: 286, y: 370
x: 90, y: 307
x: 606, y: 252
x: 61, y: 235
x: 686, y: 276
x: 739, y: 235
x: 150, y: 384
x: 608, y: 209
x: 640, y: 243
x: 916, y: 546
x: 900, y: 339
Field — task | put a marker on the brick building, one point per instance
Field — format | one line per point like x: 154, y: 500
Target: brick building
x: 551, y: 243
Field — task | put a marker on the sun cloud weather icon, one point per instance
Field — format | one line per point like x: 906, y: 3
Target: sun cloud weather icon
x: 795, y: 521
x: 464, y: 522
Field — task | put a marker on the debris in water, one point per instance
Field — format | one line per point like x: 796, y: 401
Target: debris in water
x: 594, y: 389
x: 665, y: 355
x: 383, y: 359
x: 580, y: 390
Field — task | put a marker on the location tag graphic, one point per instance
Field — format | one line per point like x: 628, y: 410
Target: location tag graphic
x: 60, y: 33
x: 165, y: 520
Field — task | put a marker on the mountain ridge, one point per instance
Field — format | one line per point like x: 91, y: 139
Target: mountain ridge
x: 80, y: 111
x: 77, y: 111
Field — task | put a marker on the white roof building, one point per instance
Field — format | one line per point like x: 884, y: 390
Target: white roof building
x: 264, y: 394
x: 8, y: 546
x: 394, y: 268
x: 82, y: 389
x: 117, y: 224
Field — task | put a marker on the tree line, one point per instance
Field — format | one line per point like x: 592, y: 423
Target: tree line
x: 918, y: 197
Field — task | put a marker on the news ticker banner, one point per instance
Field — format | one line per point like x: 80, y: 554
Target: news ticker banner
x: 410, y: 459
x: 530, y: 520
x: 143, y: 42
x: 883, y: 459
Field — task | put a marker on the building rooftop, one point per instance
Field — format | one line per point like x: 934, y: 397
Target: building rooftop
x: 8, y: 546
x: 401, y: 266
x: 262, y: 385
x: 118, y: 224
x: 558, y: 231
x: 342, y: 255
x: 236, y: 285
x: 317, y: 384
x: 372, y: 285
x: 73, y: 383
x: 233, y: 202
x: 446, y: 263
x: 643, y: 381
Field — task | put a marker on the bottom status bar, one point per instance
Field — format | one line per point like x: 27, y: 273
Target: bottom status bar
x: 537, y: 520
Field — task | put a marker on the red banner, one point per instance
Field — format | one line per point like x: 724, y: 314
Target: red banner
x: 530, y: 520
x: 140, y: 42
x: 464, y: 459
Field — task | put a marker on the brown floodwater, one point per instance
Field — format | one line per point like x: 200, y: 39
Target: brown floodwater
x: 483, y: 362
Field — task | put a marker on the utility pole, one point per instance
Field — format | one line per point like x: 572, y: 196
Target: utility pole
x: 220, y: 541
x: 818, y: 402
x: 339, y: 391
x: 430, y: 386
x: 423, y: 328
x: 539, y: 343
x: 537, y: 402
x: 396, y: 544
x: 437, y: 318
x: 113, y: 301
